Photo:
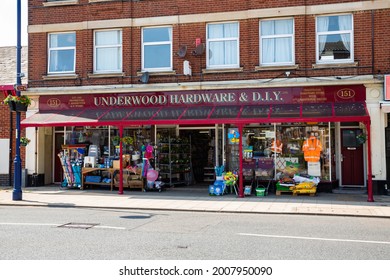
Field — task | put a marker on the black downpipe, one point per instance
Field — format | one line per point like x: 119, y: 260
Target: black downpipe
x: 372, y: 43
x: 11, y: 142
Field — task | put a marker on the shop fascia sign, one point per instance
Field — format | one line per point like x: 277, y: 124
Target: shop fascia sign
x: 226, y: 97
x: 203, y: 98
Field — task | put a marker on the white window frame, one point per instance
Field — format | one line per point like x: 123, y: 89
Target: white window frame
x: 59, y: 49
x: 318, y: 34
x: 237, y: 39
x: 156, y: 69
x: 118, y: 46
x: 263, y: 37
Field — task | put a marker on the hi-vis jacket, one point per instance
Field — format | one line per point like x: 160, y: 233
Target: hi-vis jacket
x: 312, y: 148
x: 277, y: 147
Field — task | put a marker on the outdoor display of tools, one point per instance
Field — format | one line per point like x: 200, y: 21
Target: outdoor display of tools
x: 72, y: 161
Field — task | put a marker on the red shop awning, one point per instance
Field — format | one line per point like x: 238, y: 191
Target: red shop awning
x: 244, y: 114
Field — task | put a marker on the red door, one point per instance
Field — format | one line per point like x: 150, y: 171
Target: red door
x: 352, y: 161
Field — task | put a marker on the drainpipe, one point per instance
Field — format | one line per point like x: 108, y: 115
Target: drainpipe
x: 370, y: 197
x: 120, y: 161
x: 17, y: 191
x: 372, y: 43
x: 11, y: 144
x: 241, y: 176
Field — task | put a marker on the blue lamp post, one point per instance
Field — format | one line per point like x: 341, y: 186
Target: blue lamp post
x: 17, y: 191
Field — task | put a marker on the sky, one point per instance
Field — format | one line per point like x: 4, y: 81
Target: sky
x: 8, y: 22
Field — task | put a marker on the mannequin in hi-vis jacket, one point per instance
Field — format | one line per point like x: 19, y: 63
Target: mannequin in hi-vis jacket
x: 312, y: 148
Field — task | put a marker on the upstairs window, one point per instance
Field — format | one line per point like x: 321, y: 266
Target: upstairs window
x: 222, y: 45
x: 334, y: 39
x: 62, y: 53
x: 157, y: 49
x: 108, y: 51
x: 277, y: 42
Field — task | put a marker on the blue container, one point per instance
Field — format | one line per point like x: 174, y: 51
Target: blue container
x: 211, y: 190
x: 93, y: 179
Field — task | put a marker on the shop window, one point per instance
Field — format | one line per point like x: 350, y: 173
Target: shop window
x: 222, y: 45
x: 157, y: 49
x: 277, y: 42
x: 108, y: 51
x: 334, y: 39
x: 62, y: 53
x: 275, y: 151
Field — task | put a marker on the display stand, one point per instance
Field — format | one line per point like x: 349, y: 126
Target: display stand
x: 110, y: 177
x: 71, y: 158
x: 174, y: 162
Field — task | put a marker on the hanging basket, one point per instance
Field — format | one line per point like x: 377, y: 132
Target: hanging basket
x: 24, y: 141
x: 17, y: 106
x: 12, y: 106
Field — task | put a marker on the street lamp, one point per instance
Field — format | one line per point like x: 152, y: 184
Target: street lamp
x: 17, y: 191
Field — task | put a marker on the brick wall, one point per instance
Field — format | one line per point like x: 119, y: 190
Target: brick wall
x: 185, y: 34
x: 5, y: 128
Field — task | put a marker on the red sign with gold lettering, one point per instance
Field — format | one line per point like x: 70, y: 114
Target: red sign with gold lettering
x: 253, y: 96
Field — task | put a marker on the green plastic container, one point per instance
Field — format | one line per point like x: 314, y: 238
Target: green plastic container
x: 260, y: 192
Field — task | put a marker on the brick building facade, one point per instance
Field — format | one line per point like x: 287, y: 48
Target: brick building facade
x: 195, y: 32
x: 8, y: 124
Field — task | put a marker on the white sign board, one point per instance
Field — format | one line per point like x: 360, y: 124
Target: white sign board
x: 4, y: 155
x: 314, y: 168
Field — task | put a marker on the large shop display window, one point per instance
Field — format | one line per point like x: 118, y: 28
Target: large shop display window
x: 91, y: 156
x: 273, y: 150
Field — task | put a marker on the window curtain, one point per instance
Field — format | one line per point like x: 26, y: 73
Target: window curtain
x: 345, y: 23
x: 322, y: 26
x: 278, y: 49
x: 108, y: 53
x: 223, y: 46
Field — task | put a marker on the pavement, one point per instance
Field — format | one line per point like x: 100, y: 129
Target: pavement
x: 189, y: 198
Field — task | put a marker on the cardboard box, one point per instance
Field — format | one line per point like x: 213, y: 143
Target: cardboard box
x: 115, y: 164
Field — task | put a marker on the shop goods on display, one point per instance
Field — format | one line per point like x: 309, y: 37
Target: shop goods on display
x: 299, y: 184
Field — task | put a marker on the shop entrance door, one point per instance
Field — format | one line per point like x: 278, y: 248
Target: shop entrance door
x: 58, y: 171
x: 352, y: 161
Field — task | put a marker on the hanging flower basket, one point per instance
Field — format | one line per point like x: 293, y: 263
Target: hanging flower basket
x: 128, y: 140
x: 24, y: 141
x: 17, y: 103
x: 115, y: 140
